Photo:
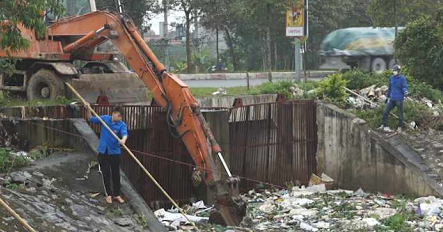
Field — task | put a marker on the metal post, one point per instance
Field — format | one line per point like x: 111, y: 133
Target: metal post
x: 297, y: 60
x: 119, y: 6
x: 165, y: 33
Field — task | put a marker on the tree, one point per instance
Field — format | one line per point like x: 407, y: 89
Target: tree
x: 191, y: 9
x: 138, y: 10
x: 419, y: 47
x: 221, y: 16
x: 28, y: 14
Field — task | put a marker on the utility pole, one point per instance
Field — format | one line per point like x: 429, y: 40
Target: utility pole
x: 297, y: 60
x: 119, y: 6
x: 165, y: 33
x: 216, y: 44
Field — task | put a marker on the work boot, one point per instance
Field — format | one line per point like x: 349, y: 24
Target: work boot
x: 387, y: 129
x: 381, y: 127
x: 109, y: 199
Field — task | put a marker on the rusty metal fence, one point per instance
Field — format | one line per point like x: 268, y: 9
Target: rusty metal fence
x: 274, y: 142
x: 148, y: 134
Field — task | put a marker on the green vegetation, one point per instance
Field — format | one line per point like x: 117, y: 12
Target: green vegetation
x: 10, y: 159
x: 8, y: 101
x: 207, y: 92
x: 114, y: 212
x: 419, y: 48
x: 29, y: 14
x: 332, y: 88
x: 280, y: 87
x: 140, y: 219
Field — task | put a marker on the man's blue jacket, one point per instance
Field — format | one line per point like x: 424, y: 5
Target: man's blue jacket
x: 398, y: 88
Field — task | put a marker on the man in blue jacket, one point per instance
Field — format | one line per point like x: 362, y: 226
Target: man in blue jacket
x: 397, y: 92
x: 110, y: 152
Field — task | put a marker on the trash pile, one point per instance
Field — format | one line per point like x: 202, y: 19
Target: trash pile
x: 369, y: 97
x: 315, y: 208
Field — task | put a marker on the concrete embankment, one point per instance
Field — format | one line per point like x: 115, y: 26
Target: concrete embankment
x: 74, y: 134
x: 252, y: 75
x: 358, y: 157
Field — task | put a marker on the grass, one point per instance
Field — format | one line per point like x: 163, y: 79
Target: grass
x: 231, y: 91
x: 8, y: 101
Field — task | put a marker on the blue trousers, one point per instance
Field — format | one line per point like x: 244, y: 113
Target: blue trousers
x: 391, y: 105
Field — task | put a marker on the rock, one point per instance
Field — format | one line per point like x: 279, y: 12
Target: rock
x: 21, y: 176
x: 124, y: 222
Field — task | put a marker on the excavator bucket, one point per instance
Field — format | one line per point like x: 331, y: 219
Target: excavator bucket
x: 117, y: 87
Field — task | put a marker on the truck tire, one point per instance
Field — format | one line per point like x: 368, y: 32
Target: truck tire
x: 378, y: 65
x: 45, y: 84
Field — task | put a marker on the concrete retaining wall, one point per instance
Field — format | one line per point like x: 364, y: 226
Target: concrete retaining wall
x: 228, y: 101
x: 259, y: 75
x: 76, y: 134
x: 355, y: 156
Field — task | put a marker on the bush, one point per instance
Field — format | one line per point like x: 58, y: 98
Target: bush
x: 9, y: 161
x: 333, y: 88
x: 419, y: 89
x: 419, y: 48
x: 280, y: 87
x: 358, y: 79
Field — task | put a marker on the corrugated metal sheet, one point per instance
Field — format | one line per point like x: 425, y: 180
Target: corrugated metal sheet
x: 274, y: 143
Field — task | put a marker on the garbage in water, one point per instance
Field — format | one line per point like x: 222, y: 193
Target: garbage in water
x: 316, y: 209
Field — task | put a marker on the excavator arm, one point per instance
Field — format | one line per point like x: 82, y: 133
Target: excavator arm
x: 184, y: 118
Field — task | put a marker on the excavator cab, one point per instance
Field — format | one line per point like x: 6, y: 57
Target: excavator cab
x: 73, y: 8
x: 94, y: 70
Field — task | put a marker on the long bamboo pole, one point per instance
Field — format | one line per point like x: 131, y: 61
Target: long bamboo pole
x: 16, y: 216
x: 132, y: 155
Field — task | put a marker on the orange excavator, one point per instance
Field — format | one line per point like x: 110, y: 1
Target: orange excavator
x: 48, y: 64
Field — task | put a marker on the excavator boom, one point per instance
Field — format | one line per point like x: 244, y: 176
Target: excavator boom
x: 183, y: 112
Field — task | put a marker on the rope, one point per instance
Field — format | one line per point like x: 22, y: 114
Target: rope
x: 16, y: 216
x: 133, y: 156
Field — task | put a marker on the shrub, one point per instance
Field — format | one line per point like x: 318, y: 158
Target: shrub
x: 419, y: 47
x: 333, y: 88
x: 357, y: 79
x: 280, y: 87
x: 9, y: 161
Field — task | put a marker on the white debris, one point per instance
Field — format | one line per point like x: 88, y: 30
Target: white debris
x: 307, y: 227
x: 175, y: 219
x: 220, y: 91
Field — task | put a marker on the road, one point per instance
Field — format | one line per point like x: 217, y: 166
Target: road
x: 229, y: 83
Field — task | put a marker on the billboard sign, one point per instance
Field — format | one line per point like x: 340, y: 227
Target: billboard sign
x: 296, y: 20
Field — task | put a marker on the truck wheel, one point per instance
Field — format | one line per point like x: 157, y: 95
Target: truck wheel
x: 45, y: 84
x: 378, y: 65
